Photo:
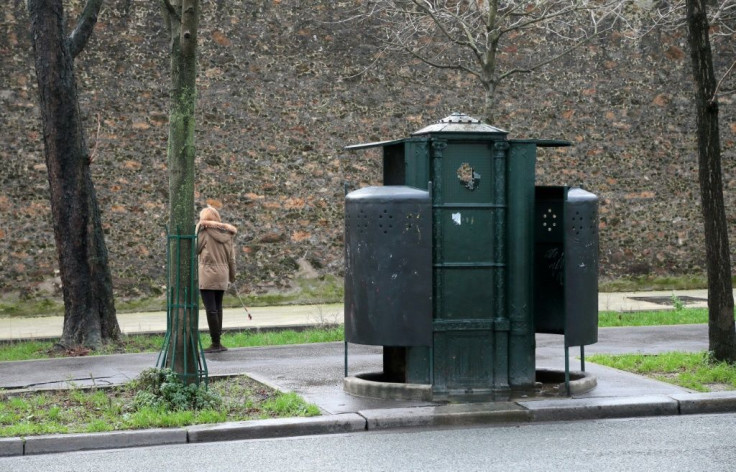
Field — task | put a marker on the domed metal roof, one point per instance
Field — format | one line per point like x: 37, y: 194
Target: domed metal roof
x: 459, y: 123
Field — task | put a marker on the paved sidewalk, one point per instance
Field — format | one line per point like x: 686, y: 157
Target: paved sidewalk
x: 49, y: 327
x: 316, y: 372
x: 289, y: 316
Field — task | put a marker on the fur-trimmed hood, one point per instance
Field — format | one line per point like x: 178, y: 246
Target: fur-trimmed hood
x: 215, y: 251
x: 222, y: 231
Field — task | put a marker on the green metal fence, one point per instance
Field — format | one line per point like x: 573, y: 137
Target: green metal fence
x: 182, y: 348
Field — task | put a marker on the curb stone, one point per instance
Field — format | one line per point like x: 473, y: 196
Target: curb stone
x: 110, y: 440
x: 11, y: 447
x: 367, y: 420
x: 698, y: 403
x: 601, y: 408
x: 276, y: 428
x: 446, y: 415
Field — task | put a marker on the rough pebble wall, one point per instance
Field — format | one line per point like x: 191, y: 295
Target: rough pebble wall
x: 286, y: 84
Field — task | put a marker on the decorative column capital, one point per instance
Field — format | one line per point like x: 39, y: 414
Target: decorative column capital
x: 439, y: 148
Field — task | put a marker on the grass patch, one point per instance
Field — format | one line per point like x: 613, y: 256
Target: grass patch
x: 137, y: 305
x: 607, y: 319
x: 15, y: 307
x: 696, y: 371
x: 26, y: 350
x: 277, y: 338
x: 78, y: 411
x: 322, y: 290
x: 649, y: 283
x: 289, y: 404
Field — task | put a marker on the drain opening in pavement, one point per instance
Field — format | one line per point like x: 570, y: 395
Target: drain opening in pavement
x: 668, y: 300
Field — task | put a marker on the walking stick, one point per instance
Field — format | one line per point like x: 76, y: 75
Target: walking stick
x: 235, y: 291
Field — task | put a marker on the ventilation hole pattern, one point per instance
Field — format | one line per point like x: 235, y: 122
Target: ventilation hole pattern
x: 549, y: 220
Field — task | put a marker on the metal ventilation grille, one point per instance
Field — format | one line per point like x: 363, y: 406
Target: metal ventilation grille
x: 388, y: 267
x: 550, y: 220
x: 583, y: 225
x: 371, y: 218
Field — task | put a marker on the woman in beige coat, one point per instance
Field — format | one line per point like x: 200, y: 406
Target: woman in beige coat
x: 216, y: 269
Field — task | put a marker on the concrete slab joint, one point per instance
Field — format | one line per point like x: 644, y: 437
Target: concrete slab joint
x: 699, y: 403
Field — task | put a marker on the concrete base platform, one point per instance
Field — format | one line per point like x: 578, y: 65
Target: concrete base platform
x: 549, y: 382
x: 580, y: 382
x: 370, y: 386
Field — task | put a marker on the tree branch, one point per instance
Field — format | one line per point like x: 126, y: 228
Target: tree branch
x: 84, y: 28
x: 171, y: 10
x: 93, y: 155
x: 468, y: 42
x: 544, y: 16
x: 438, y: 65
x: 720, y: 82
x: 546, y: 61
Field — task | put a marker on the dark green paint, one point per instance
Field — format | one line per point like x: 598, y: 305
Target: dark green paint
x: 483, y: 258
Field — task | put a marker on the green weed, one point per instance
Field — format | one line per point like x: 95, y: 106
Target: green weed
x: 608, y: 319
x: 162, y: 389
x: 22, y: 350
x: 289, y: 404
x: 322, y: 290
x: 696, y: 371
x: 98, y: 426
x: 278, y: 338
x: 68, y: 411
x: 677, y: 303
x: 31, y: 308
x: 647, y: 283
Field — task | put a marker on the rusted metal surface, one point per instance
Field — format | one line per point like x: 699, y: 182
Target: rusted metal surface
x: 388, y: 263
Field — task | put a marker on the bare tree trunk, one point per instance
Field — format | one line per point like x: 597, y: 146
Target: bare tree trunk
x: 103, y: 299
x: 489, y: 103
x: 721, y: 334
x: 81, y: 263
x: 182, y: 19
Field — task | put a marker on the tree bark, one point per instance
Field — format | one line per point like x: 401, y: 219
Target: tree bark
x: 182, y: 19
x: 103, y: 298
x: 82, y: 267
x: 721, y: 334
x: 489, y: 103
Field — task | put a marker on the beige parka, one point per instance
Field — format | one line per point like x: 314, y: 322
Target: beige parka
x: 215, y: 250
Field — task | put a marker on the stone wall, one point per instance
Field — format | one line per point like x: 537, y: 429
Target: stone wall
x: 286, y: 84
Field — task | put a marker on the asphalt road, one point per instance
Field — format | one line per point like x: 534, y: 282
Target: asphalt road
x: 677, y: 443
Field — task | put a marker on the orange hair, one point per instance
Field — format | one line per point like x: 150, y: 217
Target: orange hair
x: 209, y: 214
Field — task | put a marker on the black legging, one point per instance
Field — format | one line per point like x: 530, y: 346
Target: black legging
x: 212, y: 300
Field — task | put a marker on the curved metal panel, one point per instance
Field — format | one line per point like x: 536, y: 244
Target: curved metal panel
x: 388, y: 267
